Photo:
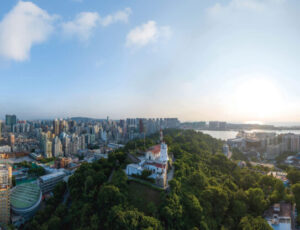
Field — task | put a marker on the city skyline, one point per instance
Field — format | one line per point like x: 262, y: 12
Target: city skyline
x: 288, y: 124
x: 233, y: 60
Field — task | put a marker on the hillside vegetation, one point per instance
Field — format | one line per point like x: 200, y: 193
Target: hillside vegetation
x: 208, y: 192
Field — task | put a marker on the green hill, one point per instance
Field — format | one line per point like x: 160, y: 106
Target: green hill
x: 208, y: 191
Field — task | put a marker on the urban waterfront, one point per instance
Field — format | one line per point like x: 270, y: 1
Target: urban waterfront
x: 161, y: 115
x: 225, y: 135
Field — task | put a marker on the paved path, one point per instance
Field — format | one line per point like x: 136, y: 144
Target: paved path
x: 110, y: 176
x: 66, y: 196
x: 293, y: 218
x: 262, y: 164
x: 229, y: 155
x: 170, y: 174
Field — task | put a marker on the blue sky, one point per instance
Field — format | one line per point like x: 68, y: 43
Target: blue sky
x: 234, y: 60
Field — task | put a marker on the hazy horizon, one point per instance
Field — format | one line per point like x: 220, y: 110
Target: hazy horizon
x: 231, y: 60
x: 276, y: 124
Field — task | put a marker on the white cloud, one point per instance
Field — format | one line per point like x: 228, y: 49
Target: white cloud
x: 249, y: 5
x: 25, y: 25
x: 147, y: 33
x: 85, y: 22
x: 82, y: 25
x: 120, y: 16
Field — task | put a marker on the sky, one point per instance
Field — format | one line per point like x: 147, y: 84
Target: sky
x: 233, y: 60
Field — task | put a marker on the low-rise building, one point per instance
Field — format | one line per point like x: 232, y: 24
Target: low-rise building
x: 25, y: 201
x: 156, y: 161
x: 279, y: 216
x: 48, y: 182
x: 238, y: 143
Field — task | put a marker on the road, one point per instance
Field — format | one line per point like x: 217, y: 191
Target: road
x: 111, y: 175
x: 170, y: 175
x: 229, y: 155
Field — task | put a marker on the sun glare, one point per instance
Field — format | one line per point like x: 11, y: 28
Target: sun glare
x: 257, y: 98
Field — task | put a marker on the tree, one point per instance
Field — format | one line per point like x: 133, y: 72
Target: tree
x: 145, y: 174
x: 279, y: 192
x: 251, y: 223
x: 86, y: 213
x: 256, y: 201
x: 54, y: 223
x: 198, y: 180
x: 94, y: 222
x: 172, y: 211
x: 293, y: 176
x: 298, y: 220
x: 88, y: 184
x: 296, y: 192
x: 208, y: 192
x: 217, y: 204
x: 267, y: 183
x: 118, y: 219
x: 175, y: 185
x: 108, y: 197
x: 38, y: 171
x: 239, y: 209
x: 193, y: 209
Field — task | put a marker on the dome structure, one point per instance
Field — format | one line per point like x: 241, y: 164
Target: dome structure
x: 26, y: 199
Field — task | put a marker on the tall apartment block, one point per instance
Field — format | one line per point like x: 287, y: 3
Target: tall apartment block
x: 5, y: 185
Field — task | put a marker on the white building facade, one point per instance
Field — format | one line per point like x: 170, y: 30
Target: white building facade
x: 155, y: 160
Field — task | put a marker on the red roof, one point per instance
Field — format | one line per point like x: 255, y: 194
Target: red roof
x: 157, y: 165
x: 154, y: 149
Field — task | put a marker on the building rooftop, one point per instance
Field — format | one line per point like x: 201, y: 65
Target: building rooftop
x: 135, y: 166
x: 25, y: 195
x: 154, y: 149
x: 282, y: 209
x: 52, y: 175
x: 158, y: 165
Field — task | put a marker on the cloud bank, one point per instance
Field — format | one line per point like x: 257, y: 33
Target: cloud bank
x: 146, y: 34
x: 246, y: 5
x: 85, y: 22
x: 25, y: 25
x: 82, y: 25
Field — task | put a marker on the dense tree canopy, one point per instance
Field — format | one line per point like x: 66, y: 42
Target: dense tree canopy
x: 208, y: 192
x: 294, y: 176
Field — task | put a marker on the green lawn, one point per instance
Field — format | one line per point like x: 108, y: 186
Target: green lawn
x: 143, y: 197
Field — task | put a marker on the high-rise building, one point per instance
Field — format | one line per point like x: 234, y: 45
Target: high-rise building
x: 63, y: 126
x: 82, y: 142
x: 5, y: 185
x: 56, y: 127
x: 74, y: 145
x: 11, y: 140
x: 213, y: 125
x: 141, y: 126
x: 57, y: 147
x: 291, y: 142
x: 47, y: 147
x: 10, y: 120
x: 66, y: 145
